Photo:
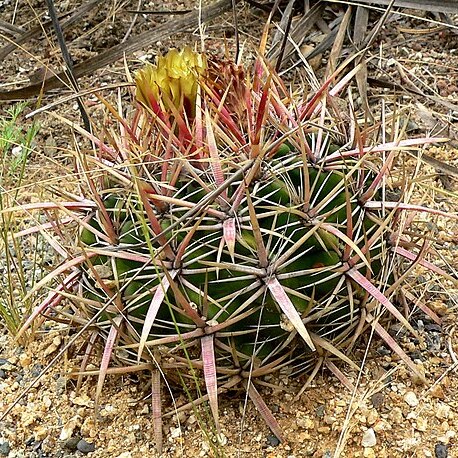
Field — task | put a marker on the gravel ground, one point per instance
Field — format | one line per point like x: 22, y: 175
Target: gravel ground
x: 390, y: 414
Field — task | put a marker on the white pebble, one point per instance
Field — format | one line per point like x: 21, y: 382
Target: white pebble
x: 175, y: 432
x: 369, y: 439
x: 411, y: 398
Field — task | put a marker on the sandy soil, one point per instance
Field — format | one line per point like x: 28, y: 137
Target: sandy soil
x: 390, y: 413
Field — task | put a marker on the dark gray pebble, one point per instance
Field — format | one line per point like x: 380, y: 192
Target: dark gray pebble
x: 2, y: 373
x: 377, y: 400
x: 36, y: 370
x: 417, y: 355
x: 85, y: 447
x: 383, y: 351
x: 319, y: 412
x: 433, y: 327
x: 273, y: 440
x: 5, y: 448
x: 440, y: 451
x: 71, y: 443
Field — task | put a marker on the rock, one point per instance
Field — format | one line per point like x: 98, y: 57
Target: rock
x: 437, y: 392
x: 383, y: 351
x: 369, y: 439
x: 5, y: 448
x: 422, y: 424
x: 411, y: 398
x: 175, y: 432
x: 433, y: 327
x: 36, y: 370
x: 382, y: 425
x: 108, y: 411
x: 40, y: 433
x: 319, y: 412
x: 273, y: 440
x: 85, y: 447
x: 145, y: 411
x: 395, y: 416
x: 25, y: 360
x: 305, y: 422
x: 67, y: 430
x: 71, y: 443
x: 372, y: 417
x: 369, y: 452
x: 442, y: 411
x: 61, y: 384
x: 30, y: 441
x: 222, y: 439
x: 2, y: 373
x: 84, y: 401
x: 55, y: 344
x: 440, y: 451
x: 191, y: 420
x: 377, y: 400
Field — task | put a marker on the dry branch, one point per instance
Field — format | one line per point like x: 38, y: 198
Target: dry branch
x: 89, y: 66
x: 435, y: 6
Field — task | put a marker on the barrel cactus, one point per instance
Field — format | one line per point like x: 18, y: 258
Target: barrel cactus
x: 231, y: 228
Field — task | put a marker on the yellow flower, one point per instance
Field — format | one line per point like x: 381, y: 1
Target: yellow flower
x: 173, y: 80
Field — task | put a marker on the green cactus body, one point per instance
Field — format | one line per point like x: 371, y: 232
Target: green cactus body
x: 218, y: 285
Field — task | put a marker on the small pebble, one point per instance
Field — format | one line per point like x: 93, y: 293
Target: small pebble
x: 61, y: 384
x: 422, y: 424
x: 369, y: 453
x: 175, y: 432
x: 433, y: 327
x: 71, y: 443
x: 437, y: 392
x: 377, y: 400
x: 411, y: 398
x: 369, y: 439
x: 2, y: 373
x: 272, y: 440
x: 442, y: 411
x: 320, y: 411
x: 85, y: 447
x: 440, y: 451
x: 36, y: 370
x: 5, y: 448
x: 383, y: 351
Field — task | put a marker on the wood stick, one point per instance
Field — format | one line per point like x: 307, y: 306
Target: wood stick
x: 89, y: 66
